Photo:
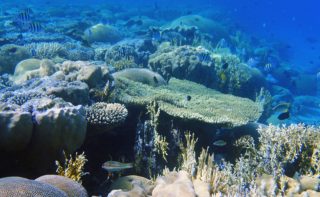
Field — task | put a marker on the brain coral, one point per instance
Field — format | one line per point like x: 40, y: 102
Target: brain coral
x: 205, y: 105
x: 17, y: 186
x: 69, y: 186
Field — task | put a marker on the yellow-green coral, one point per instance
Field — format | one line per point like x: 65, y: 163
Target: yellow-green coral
x: 160, y: 142
x: 125, y: 62
x: 72, y: 167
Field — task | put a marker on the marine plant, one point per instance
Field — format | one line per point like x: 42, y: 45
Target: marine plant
x: 160, y: 142
x: 73, y: 167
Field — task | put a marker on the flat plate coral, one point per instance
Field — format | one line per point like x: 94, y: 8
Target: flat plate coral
x: 206, y: 105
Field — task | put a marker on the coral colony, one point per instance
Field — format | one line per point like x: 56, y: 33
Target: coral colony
x: 158, y: 103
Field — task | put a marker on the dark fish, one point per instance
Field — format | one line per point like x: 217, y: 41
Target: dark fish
x: 155, y: 80
x: 35, y: 27
x: 188, y: 97
x: 284, y: 115
x: 225, y: 66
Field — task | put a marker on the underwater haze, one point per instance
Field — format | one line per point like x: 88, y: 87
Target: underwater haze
x: 161, y: 98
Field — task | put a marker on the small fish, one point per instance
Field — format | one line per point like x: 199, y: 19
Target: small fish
x: 204, y: 57
x: 155, y: 80
x: 223, y: 77
x: 35, y: 27
x: 188, y: 98
x: 220, y: 143
x: 268, y: 67
x: 284, y: 115
x: 115, y: 166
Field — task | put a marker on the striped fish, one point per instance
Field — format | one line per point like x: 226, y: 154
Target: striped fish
x: 23, y: 17
x: 35, y: 27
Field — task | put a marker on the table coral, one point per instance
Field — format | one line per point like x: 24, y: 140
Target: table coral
x: 205, y: 105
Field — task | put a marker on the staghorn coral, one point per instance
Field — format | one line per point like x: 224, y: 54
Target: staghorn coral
x: 48, y: 50
x: 281, y: 145
x: 206, y: 105
x: 73, y: 167
x: 69, y: 186
x: 108, y: 115
x: 17, y: 186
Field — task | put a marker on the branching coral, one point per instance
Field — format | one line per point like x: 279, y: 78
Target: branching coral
x: 72, y: 167
x: 160, y: 142
x: 46, y: 49
x: 106, y: 114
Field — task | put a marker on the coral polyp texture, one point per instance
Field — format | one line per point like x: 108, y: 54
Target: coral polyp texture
x: 69, y: 186
x: 17, y: 186
x: 206, y: 105
x: 106, y: 114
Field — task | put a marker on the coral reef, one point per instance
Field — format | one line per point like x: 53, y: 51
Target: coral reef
x: 15, y: 186
x: 102, y: 33
x: 206, y: 105
x: 105, y: 116
x: 69, y: 186
x: 15, y: 130
x: 32, y: 68
x: 10, y: 55
x: 223, y: 72
x: 47, y: 50
x: 129, y: 53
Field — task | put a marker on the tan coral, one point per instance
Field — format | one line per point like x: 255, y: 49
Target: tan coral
x: 206, y: 105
